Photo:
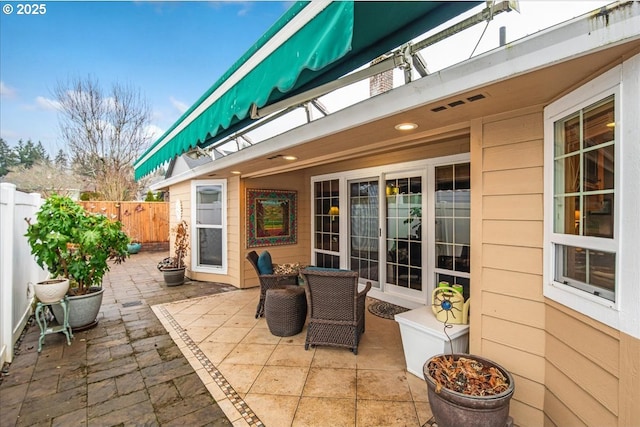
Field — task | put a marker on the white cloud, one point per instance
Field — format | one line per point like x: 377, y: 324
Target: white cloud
x: 178, y: 105
x: 7, y: 91
x: 47, y: 104
x: 153, y: 132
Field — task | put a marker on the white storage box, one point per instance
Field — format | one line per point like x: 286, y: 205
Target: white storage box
x: 423, y: 337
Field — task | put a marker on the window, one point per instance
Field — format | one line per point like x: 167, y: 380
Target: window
x: 209, y: 232
x: 584, y: 198
x: 591, y: 261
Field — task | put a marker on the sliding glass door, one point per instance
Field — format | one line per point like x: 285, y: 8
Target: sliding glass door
x: 403, y: 228
x: 404, y: 243
x: 364, y: 229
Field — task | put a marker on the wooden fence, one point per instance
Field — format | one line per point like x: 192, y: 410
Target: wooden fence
x: 146, y: 222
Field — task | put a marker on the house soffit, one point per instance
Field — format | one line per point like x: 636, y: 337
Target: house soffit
x: 368, y: 127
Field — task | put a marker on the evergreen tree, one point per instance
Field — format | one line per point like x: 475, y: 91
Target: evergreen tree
x: 29, y: 153
x: 61, y: 160
x: 8, y: 158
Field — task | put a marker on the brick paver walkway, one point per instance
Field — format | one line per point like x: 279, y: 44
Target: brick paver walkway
x: 126, y: 371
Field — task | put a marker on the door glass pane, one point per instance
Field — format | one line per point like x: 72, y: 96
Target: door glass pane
x: 453, y: 217
x: 326, y: 217
x: 364, y: 228
x: 404, y: 232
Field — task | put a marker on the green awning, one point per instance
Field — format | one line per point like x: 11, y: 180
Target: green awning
x: 312, y: 44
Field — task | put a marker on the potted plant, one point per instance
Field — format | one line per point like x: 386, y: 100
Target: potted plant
x: 173, y: 267
x: 468, y: 390
x: 77, y: 245
x: 131, y: 227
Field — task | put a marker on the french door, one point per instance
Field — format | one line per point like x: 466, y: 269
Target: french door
x: 403, y: 231
x: 364, y: 229
x: 405, y: 266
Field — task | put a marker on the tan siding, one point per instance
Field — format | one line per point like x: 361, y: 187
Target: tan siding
x: 514, y: 309
x: 510, y: 299
x: 599, y: 347
x: 577, y: 400
x: 513, y: 283
x: 525, y: 415
x: 514, y: 207
x: 513, y: 233
x: 516, y: 335
x: 293, y: 253
x: 629, y: 381
x: 516, y: 181
x: 513, y: 130
x: 557, y: 414
x: 477, y: 276
x: 513, y: 258
x: 514, y: 156
x: 180, y: 192
x: 518, y: 362
x: 233, y: 232
x: 528, y: 392
x: 592, y: 378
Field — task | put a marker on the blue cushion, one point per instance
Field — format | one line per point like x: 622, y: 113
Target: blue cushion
x: 264, y: 263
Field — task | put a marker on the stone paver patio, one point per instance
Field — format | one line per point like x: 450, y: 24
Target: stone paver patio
x: 126, y: 371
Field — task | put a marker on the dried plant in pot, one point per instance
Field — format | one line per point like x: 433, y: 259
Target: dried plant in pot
x: 173, y: 267
x: 77, y: 245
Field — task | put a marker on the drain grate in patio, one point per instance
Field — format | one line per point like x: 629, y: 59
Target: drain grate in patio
x: 386, y: 310
x: 131, y: 303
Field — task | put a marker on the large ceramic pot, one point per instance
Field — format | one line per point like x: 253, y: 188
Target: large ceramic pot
x: 83, y: 310
x: 51, y: 290
x: 173, y: 276
x: 134, y: 248
x: 453, y: 409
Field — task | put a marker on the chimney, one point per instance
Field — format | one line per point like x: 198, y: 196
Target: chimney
x: 382, y: 82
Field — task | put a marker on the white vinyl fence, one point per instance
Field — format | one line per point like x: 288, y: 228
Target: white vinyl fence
x: 17, y: 266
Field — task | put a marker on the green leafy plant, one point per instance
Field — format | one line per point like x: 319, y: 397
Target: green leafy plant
x: 70, y: 242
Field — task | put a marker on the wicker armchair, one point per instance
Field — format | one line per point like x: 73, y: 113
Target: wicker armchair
x: 336, y: 308
x: 269, y: 281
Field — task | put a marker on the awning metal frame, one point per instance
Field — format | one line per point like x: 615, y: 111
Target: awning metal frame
x: 407, y: 58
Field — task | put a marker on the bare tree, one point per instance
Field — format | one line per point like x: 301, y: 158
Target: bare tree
x: 105, y: 132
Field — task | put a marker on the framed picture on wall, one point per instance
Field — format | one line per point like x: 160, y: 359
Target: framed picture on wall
x: 271, y: 217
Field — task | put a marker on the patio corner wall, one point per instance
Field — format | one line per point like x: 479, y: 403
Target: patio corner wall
x: 507, y: 313
x: 293, y: 253
x: 17, y: 266
x: 569, y: 369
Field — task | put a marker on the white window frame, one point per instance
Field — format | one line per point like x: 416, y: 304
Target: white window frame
x: 623, y: 313
x: 424, y: 168
x: 195, y: 266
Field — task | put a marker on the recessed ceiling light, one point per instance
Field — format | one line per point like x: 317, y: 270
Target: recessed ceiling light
x: 406, y: 126
x: 290, y: 158
x: 236, y: 172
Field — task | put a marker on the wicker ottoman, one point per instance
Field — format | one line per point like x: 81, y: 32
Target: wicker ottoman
x: 286, y: 310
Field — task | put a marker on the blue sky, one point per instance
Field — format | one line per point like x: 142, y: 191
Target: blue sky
x: 172, y: 51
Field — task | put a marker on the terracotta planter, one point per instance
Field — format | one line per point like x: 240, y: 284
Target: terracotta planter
x: 83, y: 310
x: 52, y: 290
x: 453, y: 409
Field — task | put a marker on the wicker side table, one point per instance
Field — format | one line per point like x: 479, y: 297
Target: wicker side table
x: 286, y: 310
